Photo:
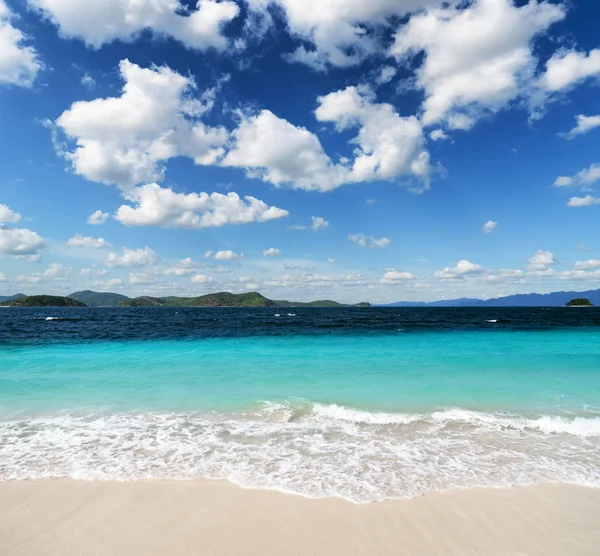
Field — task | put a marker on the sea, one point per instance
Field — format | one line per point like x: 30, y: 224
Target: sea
x: 364, y: 404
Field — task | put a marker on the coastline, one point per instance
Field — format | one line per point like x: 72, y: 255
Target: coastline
x: 39, y: 518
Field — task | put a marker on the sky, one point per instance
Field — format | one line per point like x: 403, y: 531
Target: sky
x: 354, y: 150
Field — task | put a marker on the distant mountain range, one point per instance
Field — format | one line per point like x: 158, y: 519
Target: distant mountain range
x: 554, y: 299
x: 107, y: 299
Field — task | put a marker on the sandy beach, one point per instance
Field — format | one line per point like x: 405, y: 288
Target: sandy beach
x: 217, y: 518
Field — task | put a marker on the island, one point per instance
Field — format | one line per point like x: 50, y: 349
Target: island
x: 226, y: 299
x: 105, y: 299
x: 579, y: 302
x: 44, y: 301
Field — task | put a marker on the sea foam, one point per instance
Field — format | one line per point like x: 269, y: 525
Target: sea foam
x: 316, y: 450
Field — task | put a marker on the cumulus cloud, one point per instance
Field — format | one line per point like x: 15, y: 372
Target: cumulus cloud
x: 318, y: 223
x: 97, y: 218
x: 21, y: 243
x: 94, y: 243
x: 159, y: 206
x: 541, y: 261
x: 477, y: 58
x: 141, y: 278
x: 272, y: 252
x: 586, y: 201
x: 393, y: 276
x: 369, y: 242
x: 489, y: 227
x: 123, y: 140
x: 584, y: 125
x: 438, y: 135
x: 185, y: 267
x: 584, y: 179
x: 276, y: 151
x: 587, y: 265
x: 462, y: 268
x: 569, y: 67
x: 341, y: 33
x: 227, y: 255
x: 7, y: 215
x: 112, y: 283
x: 388, y: 145
x: 56, y: 273
x: 19, y: 63
x: 132, y: 257
x: 99, y: 23
x: 201, y: 279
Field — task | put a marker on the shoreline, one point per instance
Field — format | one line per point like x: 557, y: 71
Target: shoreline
x: 152, y: 517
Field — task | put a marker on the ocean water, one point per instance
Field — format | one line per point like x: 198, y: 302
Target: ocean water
x: 364, y: 404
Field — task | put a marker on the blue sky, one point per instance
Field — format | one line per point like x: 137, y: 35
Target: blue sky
x: 375, y: 150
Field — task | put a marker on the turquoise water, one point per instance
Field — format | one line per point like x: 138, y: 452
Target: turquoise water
x: 531, y: 372
x: 384, y: 412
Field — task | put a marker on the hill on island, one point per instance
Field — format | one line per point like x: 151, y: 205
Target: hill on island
x: 5, y: 298
x: 225, y: 299
x: 44, y: 301
x: 554, y: 299
x: 99, y: 299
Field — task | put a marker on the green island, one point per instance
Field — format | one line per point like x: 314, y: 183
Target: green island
x: 579, y: 302
x: 44, y: 301
x: 223, y: 299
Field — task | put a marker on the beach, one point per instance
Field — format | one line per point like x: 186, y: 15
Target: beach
x: 44, y: 518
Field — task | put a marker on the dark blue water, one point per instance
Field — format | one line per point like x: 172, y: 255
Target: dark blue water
x: 29, y: 325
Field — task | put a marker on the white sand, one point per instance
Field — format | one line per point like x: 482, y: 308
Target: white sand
x: 215, y: 518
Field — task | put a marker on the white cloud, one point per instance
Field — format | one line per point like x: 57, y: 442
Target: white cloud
x: 569, y: 67
x: 112, y: 283
x: 587, y: 265
x: 584, y: 125
x: 386, y: 74
x: 584, y: 179
x: 388, y: 145
x: 123, y: 140
x: 272, y: 252
x: 7, y: 215
x: 80, y: 241
x: 393, y: 276
x: 369, y: 242
x: 438, y: 135
x: 276, y: 151
x: 201, y: 279
x: 185, y: 267
x: 564, y: 181
x: 227, y: 255
x: 541, y: 261
x: 318, y: 223
x: 141, y: 278
x: 56, y: 273
x: 208, y: 254
x: 342, y: 32
x: 20, y: 242
x: 477, y: 58
x: 586, y: 201
x: 489, y: 227
x: 19, y: 64
x: 331, y: 261
x: 158, y: 206
x: 97, y: 218
x: 462, y: 268
x: 99, y: 23
x: 132, y: 257
x: 3, y: 277
x: 88, y: 81
x: 31, y: 279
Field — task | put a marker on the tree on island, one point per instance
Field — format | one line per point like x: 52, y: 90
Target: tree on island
x: 580, y: 302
